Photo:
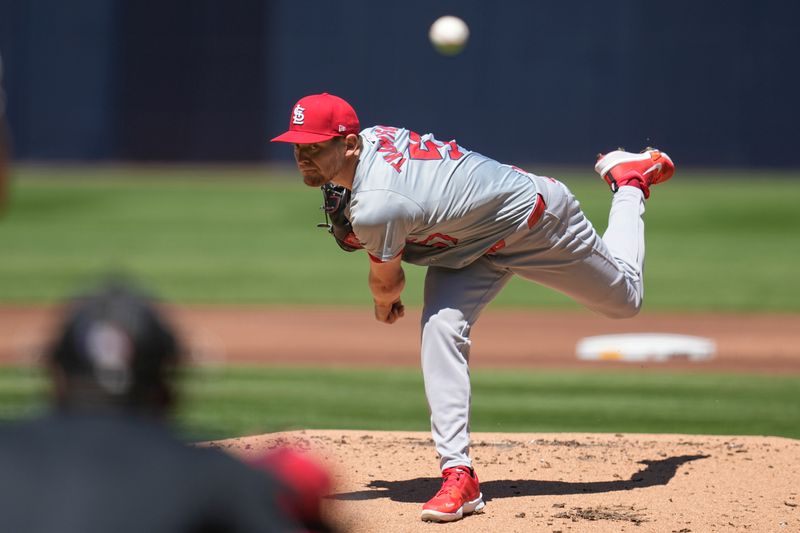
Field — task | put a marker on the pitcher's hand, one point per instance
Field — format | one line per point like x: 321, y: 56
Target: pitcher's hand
x: 389, y: 313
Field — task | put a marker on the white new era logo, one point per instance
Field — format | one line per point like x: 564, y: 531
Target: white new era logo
x: 297, y: 115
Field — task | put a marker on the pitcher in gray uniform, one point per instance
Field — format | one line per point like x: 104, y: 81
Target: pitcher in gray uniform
x: 474, y: 223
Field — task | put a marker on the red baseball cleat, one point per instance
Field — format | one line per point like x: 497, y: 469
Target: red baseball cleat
x: 620, y: 168
x: 460, y: 495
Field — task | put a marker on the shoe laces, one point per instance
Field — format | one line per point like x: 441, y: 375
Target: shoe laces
x: 452, y: 477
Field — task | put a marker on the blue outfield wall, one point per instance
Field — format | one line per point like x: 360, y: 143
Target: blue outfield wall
x: 539, y: 82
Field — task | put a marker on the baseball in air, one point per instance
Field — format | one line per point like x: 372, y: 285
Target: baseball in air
x: 449, y: 35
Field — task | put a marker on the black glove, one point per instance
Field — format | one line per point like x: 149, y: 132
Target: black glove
x: 335, y: 200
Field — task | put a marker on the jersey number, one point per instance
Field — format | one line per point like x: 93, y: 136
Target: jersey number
x: 429, y: 150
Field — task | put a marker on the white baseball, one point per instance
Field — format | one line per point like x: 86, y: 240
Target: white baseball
x: 449, y: 34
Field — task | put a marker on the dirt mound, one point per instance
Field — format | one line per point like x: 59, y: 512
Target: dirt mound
x: 560, y: 482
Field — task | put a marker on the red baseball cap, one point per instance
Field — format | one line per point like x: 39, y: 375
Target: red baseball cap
x: 319, y: 117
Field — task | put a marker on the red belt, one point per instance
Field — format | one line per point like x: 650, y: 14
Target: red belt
x: 538, y: 209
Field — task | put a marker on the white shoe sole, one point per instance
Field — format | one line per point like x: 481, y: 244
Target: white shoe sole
x: 429, y: 515
x: 612, y: 159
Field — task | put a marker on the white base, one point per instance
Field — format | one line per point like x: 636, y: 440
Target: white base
x: 643, y: 347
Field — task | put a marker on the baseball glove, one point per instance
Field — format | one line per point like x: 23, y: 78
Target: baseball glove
x: 335, y: 200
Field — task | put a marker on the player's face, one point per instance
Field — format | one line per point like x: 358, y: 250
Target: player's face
x: 320, y: 162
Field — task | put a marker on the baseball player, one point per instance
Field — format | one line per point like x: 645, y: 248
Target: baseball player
x: 475, y: 223
x: 104, y: 458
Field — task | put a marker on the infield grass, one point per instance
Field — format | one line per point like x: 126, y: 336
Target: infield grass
x: 715, y: 241
x: 236, y: 401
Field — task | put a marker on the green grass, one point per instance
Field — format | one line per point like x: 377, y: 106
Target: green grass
x: 237, y: 401
x: 221, y: 235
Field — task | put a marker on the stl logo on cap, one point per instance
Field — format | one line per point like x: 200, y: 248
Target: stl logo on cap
x: 298, y: 116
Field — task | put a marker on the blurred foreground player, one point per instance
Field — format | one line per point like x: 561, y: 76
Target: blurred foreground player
x: 103, y: 460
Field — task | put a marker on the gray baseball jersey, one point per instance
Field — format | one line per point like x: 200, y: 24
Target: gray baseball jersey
x: 434, y: 202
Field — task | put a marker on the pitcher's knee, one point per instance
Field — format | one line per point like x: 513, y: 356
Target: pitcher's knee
x: 626, y: 309
x: 446, y: 324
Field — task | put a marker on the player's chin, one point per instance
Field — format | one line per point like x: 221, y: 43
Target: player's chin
x: 314, y: 180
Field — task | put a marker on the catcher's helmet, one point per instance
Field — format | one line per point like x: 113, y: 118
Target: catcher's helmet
x: 114, y: 347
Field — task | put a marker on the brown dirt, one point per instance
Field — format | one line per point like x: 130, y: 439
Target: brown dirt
x: 599, y: 483
x: 312, y: 336
x: 532, y: 482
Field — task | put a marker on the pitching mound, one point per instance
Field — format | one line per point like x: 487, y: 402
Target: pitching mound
x: 559, y: 482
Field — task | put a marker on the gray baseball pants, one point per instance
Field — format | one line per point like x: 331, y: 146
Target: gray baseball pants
x: 561, y: 251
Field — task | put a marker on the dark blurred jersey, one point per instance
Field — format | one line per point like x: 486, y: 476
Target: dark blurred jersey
x: 81, y: 473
